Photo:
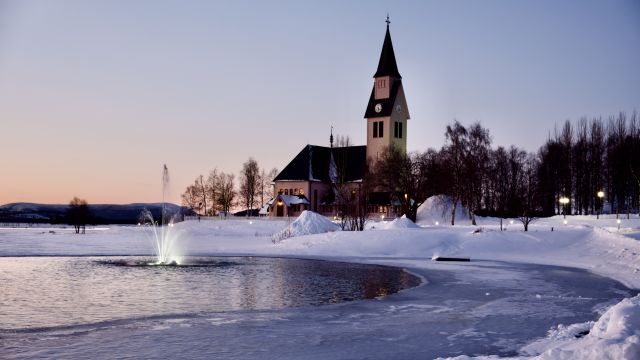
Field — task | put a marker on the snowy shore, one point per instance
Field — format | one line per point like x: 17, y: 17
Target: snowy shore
x: 584, y: 242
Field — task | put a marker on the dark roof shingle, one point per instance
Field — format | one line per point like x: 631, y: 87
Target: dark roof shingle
x: 313, y: 162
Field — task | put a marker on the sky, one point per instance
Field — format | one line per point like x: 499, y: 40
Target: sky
x: 95, y: 96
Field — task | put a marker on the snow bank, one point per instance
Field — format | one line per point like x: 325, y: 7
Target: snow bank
x: 307, y: 223
x: 400, y: 223
x: 438, y: 208
x: 616, y: 335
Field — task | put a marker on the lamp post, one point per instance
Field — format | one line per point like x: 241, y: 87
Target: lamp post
x: 564, y: 201
x: 406, y: 203
x: 618, y: 221
x: 600, y: 196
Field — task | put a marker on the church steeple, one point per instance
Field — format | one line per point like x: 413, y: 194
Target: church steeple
x: 387, y: 65
x: 387, y: 112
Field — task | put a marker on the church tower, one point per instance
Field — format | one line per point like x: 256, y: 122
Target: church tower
x: 387, y: 112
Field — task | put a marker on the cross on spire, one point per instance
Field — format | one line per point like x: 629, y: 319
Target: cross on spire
x: 387, y: 21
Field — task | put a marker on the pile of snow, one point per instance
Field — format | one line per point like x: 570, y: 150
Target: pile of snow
x: 401, y: 223
x: 616, y: 335
x: 437, y: 209
x: 307, y: 223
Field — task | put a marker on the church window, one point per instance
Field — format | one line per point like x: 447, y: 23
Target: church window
x: 286, y: 191
x: 380, y: 129
x: 397, y: 130
x: 375, y: 129
x: 382, y: 83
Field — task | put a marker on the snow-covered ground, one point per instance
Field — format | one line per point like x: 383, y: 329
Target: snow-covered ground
x: 596, y: 245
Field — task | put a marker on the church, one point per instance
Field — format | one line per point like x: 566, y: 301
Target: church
x: 322, y: 178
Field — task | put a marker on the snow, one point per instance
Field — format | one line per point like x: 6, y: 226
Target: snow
x: 437, y: 209
x: 293, y: 199
x: 596, y: 245
x: 307, y: 223
x: 400, y: 223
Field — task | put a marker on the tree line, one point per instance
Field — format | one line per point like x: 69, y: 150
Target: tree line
x: 219, y: 193
x: 577, y: 162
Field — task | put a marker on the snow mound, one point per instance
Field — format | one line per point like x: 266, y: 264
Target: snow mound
x: 401, y: 223
x: 307, y: 223
x: 438, y: 208
x: 615, y: 335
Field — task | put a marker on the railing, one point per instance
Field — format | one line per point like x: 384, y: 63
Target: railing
x: 231, y: 217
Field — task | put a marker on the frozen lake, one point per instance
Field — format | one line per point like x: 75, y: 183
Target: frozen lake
x: 474, y: 308
x: 48, y: 293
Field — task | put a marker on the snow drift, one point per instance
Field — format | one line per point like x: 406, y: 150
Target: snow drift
x: 307, y: 223
x: 401, y: 223
x: 615, y: 335
x: 438, y: 208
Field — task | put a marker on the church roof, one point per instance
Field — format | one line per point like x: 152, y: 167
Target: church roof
x: 313, y: 162
x: 387, y: 104
x: 387, y: 65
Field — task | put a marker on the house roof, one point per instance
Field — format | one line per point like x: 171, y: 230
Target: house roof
x: 313, y: 163
x: 293, y: 199
x: 387, y: 65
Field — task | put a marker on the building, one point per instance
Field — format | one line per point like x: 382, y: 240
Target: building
x: 326, y: 179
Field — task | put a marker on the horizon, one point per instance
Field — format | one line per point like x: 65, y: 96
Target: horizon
x: 98, y: 96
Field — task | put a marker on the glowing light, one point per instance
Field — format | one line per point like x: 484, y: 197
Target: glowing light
x: 437, y: 223
x: 565, y: 222
x: 511, y: 222
x: 250, y: 222
x: 600, y: 194
x: 618, y: 221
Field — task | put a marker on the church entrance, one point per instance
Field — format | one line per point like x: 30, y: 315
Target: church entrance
x: 280, y: 209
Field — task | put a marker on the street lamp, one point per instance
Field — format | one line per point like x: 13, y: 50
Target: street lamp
x: 564, y: 201
x: 600, y: 196
x: 618, y: 221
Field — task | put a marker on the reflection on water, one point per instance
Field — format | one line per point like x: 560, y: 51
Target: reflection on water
x: 57, y: 291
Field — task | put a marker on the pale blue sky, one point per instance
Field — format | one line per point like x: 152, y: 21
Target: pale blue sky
x: 96, y: 95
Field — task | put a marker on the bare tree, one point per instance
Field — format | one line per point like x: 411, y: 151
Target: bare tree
x: 226, y: 193
x: 266, y: 187
x: 529, y: 208
x: 476, y: 161
x: 211, y: 187
x: 78, y: 214
x: 249, y: 183
x: 455, y: 150
x: 191, y: 197
x: 343, y: 141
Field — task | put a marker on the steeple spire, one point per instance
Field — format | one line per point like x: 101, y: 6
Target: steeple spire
x: 387, y: 65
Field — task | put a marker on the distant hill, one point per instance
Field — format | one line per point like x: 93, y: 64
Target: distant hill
x: 100, y: 213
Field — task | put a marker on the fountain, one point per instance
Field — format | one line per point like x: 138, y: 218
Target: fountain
x: 163, y: 237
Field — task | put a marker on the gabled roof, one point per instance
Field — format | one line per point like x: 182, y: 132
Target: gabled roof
x: 387, y: 104
x: 293, y: 199
x: 313, y: 162
x: 387, y: 65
